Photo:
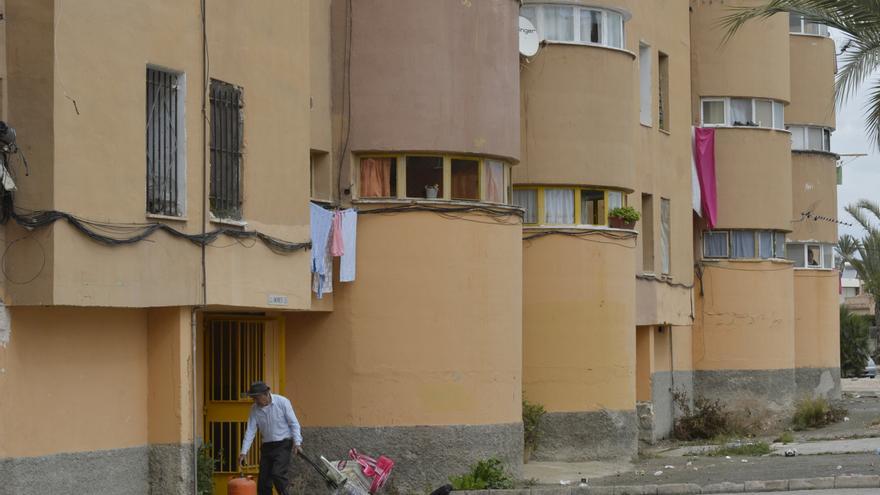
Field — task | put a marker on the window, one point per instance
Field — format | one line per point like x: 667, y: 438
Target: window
x: 528, y: 200
x: 378, y: 177
x: 433, y: 177
x: 576, y: 24
x: 713, y: 112
x: 810, y: 138
x: 226, y: 150
x: 665, y: 235
x: 592, y: 207
x: 645, y: 84
x: 715, y: 244
x: 552, y: 205
x: 743, y: 244
x: 166, y: 145
x: 647, y: 232
x: 811, y: 255
x: 465, y: 179
x: 801, y: 25
x: 493, y: 175
x: 743, y: 112
x: 663, y: 99
x: 424, y: 177
x: 319, y: 185
x: 558, y: 206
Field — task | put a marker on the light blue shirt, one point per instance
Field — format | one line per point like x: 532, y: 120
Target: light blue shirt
x: 276, y: 422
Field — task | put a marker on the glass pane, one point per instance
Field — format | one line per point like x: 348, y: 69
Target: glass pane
x: 797, y: 137
x: 795, y: 252
x: 559, y: 206
x: 812, y: 27
x: 424, y: 177
x: 779, y: 252
x: 531, y: 14
x: 465, y: 179
x: 764, y: 113
x: 615, y: 200
x: 591, y: 22
x: 778, y: 115
x: 814, y: 138
x: 741, y: 111
x: 527, y: 199
x: 827, y: 256
x: 743, y: 244
x: 814, y: 256
x: 765, y: 245
x: 715, y: 245
x: 794, y: 23
x: 493, y: 175
x: 826, y: 141
x: 378, y: 178
x: 713, y: 112
x: 665, y: 235
x: 615, y: 29
x: 592, y: 207
x: 558, y: 23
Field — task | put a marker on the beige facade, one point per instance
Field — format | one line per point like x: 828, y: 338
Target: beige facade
x: 488, y: 267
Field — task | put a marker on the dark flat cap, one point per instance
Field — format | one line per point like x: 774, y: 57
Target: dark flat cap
x: 258, y: 388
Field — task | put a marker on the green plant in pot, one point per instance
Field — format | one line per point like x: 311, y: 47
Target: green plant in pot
x: 623, y: 217
x: 531, y: 415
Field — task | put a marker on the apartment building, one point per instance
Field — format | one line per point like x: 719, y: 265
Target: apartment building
x: 159, y: 254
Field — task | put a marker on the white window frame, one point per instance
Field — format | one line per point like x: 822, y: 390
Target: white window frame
x: 823, y: 29
x: 576, y: 28
x: 804, y: 131
x: 824, y: 249
x: 775, y: 116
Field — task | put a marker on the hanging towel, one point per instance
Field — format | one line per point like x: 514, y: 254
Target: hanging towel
x: 320, y: 222
x: 337, y: 247
x: 323, y: 283
x: 349, y: 240
x: 704, y: 145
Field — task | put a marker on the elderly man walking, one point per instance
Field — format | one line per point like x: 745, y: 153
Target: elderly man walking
x: 273, y: 416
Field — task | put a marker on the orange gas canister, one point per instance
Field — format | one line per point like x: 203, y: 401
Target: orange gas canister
x: 241, y: 486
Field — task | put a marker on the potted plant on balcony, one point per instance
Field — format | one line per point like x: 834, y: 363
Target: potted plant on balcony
x: 624, y: 217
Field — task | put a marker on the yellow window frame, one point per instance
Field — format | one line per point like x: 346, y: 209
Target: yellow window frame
x: 397, y: 170
x: 541, y: 218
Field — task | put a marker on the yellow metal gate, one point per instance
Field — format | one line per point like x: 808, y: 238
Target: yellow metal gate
x: 238, y: 351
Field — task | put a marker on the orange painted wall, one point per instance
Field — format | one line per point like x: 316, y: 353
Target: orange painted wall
x: 817, y: 319
x: 745, y: 320
x: 579, y: 342
x: 428, y: 334
x: 76, y: 380
x: 169, y: 401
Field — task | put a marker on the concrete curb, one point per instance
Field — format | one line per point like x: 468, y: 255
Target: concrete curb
x: 843, y: 481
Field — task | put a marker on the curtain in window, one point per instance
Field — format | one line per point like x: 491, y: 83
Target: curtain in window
x: 494, y: 175
x: 764, y: 113
x: 665, y: 235
x: 826, y: 140
x: 779, y: 239
x: 827, y: 256
x: 740, y: 111
x: 778, y: 115
x: 527, y: 199
x: 558, y: 23
x: 559, y: 206
x: 591, y: 22
x: 765, y: 245
x: 615, y: 29
x: 615, y: 200
x: 713, y: 112
x: 715, y: 244
x: 743, y: 244
x: 814, y: 135
x: 375, y: 178
x: 797, y: 138
x: 465, y: 179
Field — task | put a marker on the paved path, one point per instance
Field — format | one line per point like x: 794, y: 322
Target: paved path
x: 831, y: 446
x: 854, y: 491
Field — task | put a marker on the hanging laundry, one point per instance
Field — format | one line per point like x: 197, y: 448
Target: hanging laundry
x: 337, y: 247
x: 320, y: 222
x: 349, y: 240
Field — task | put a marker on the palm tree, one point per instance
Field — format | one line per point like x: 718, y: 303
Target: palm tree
x: 859, y: 20
x: 866, y: 257
x: 847, y: 246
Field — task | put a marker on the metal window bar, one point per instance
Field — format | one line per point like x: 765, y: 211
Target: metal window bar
x: 226, y: 150
x: 162, y: 142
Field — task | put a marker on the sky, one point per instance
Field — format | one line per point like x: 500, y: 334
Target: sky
x: 861, y: 176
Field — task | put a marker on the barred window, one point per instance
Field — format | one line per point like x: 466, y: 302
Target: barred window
x: 226, y: 150
x: 165, y: 123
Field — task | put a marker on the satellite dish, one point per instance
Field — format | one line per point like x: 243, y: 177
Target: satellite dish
x: 528, y: 38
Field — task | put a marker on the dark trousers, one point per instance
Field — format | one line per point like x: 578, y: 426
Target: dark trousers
x: 274, y: 467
